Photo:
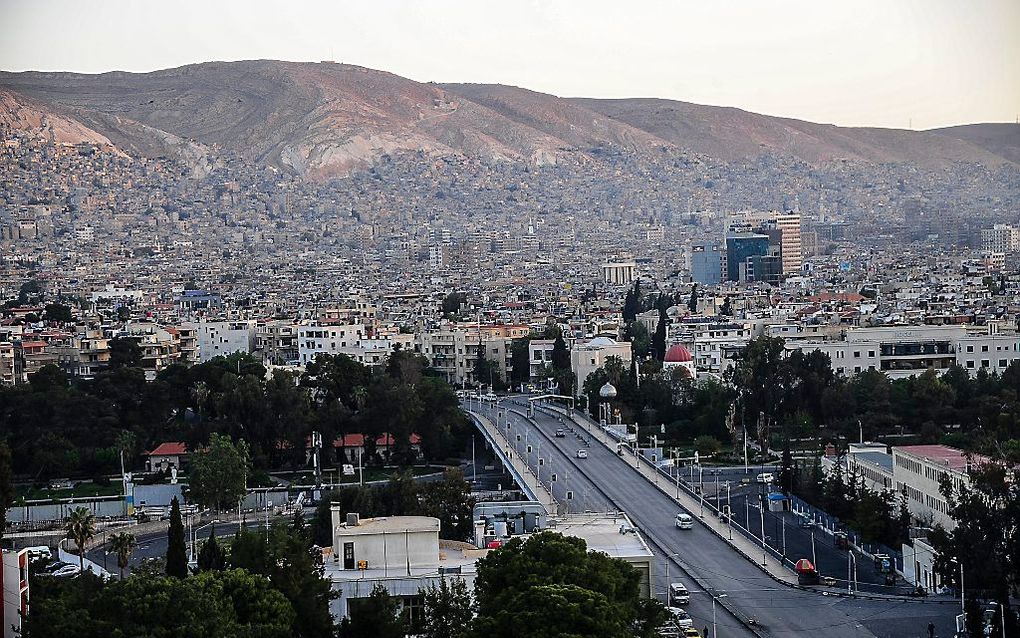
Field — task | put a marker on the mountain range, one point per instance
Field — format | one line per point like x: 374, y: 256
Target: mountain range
x: 323, y: 120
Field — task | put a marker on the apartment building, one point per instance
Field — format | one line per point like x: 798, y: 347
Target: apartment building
x: 1001, y: 238
x: 588, y: 357
x: 904, y: 351
x: 221, y: 338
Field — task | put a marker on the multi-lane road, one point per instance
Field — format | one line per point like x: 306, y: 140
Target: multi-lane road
x: 698, y: 557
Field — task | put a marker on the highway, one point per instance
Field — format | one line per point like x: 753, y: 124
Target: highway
x: 706, y: 562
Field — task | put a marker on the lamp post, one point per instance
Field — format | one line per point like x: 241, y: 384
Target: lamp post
x: 963, y: 607
x: 729, y: 512
x: 764, y: 550
x: 850, y: 561
x: 194, y: 538
x: 715, y: 631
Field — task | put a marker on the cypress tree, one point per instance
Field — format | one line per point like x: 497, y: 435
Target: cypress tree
x: 211, y: 558
x: 176, y: 554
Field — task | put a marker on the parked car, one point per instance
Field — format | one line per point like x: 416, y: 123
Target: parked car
x: 66, y: 571
x: 680, y: 617
x: 39, y: 552
x: 582, y: 454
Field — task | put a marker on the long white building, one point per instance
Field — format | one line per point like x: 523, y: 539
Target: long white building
x: 904, y: 351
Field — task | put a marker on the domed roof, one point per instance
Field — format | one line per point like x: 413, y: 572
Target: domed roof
x: 601, y: 342
x: 678, y: 354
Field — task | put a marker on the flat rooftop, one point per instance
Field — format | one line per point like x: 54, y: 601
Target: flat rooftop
x: 943, y: 455
x: 878, y: 459
x: 389, y: 525
x: 602, y: 534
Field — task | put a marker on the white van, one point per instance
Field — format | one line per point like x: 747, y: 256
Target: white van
x: 678, y: 595
x: 684, y: 521
x: 766, y: 477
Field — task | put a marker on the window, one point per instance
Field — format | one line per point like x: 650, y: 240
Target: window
x: 970, y: 364
x: 984, y: 348
x: 984, y: 363
x: 1003, y: 363
x: 871, y: 353
x: 970, y: 348
x: 857, y: 354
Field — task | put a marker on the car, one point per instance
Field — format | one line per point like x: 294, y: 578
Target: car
x: 691, y: 632
x: 678, y: 594
x: 39, y: 552
x: 680, y: 617
x: 684, y: 521
x: 766, y: 477
x: 582, y: 454
x: 805, y: 521
x: 66, y: 570
x: 560, y: 433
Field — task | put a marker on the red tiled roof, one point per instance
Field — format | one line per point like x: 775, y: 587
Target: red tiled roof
x: 169, y: 448
x: 944, y: 455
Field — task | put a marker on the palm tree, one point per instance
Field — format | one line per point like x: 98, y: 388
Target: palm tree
x: 81, y: 528
x: 123, y: 544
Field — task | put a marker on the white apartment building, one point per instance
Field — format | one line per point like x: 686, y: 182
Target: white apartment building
x: 222, y: 338
x: 904, y: 351
x: 1001, y: 238
x: 919, y: 471
x: 588, y: 357
x: 401, y: 553
x: 539, y: 356
x: 619, y: 273
x: 452, y: 350
x: 714, y: 345
x: 320, y: 338
x: 15, y: 588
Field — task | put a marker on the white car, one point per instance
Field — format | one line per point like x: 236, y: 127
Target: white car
x: 582, y: 454
x: 680, y: 617
x: 67, y: 570
x: 766, y: 477
x: 39, y: 552
x: 684, y: 521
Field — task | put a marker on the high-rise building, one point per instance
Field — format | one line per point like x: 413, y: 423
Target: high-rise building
x: 740, y: 247
x: 789, y: 226
x: 1001, y: 238
x: 706, y: 263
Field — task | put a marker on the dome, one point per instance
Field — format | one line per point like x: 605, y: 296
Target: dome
x: 601, y: 342
x: 678, y: 354
x: 608, y: 391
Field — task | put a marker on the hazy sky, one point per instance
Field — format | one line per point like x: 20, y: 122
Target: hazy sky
x: 853, y: 62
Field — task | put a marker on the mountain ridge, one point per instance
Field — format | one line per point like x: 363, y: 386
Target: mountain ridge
x: 324, y: 120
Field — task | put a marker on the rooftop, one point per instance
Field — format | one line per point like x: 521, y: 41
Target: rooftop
x: 602, y: 534
x: 944, y: 455
x: 390, y: 525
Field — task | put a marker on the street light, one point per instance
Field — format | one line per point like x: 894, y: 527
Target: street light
x: 194, y: 538
x: 850, y: 561
x: 715, y: 631
x: 959, y: 562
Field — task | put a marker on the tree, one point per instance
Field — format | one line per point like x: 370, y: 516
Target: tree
x: 123, y: 314
x: 659, y: 338
x: 788, y: 471
x: 286, y: 558
x: 520, y: 361
x: 452, y: 302
x: 448, y: 610
x: 176, y: 552
x: 125, y: 353
x: 692, y: 304
x: 123, y: 544
x: 560, y: 358
x: 449, y: 500
x: 6, y: 485
x: 210, y: 557
x: 727, y: 309
x: 218, y: 472
x: 373, y: 617
x: 552, y: 581
x: 57, y: 312
x: 230, y: 603
x: 81, y: 528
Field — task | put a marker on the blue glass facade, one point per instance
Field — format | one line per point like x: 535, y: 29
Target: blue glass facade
x: 739, y: 248
x: 706, y: 263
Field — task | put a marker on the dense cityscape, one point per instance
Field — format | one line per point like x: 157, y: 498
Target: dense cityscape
x: 613, y: 386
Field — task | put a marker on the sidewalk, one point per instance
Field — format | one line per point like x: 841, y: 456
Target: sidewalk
x: 750, y: 550
x: 518, y: 465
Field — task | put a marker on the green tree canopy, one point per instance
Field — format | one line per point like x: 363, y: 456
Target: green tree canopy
x: 218, y: 472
